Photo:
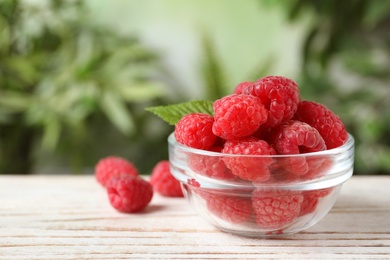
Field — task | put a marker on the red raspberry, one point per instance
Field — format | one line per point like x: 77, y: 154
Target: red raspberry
x: 129, y: 193
x: 240, y: 87
x: 250, y: 168
x: 328, y: 124
x: 195, y: 130
x: 311, y: 199
x: 295, y: 137
x: 275, y: 209
x: 309, y: 204
x: 318, y: 166
x: 113, y: 166
x: 210, y: 165
x: 279, y: 95
x: 163, y: 181
x: 238, y: 116
x: 289, y: 170
x: 232, y: 209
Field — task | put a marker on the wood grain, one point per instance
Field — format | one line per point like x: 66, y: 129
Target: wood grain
x: 69, y: 217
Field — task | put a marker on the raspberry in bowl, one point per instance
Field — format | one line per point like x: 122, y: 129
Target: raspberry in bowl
x: 280, y: 202
x: 261, y: 161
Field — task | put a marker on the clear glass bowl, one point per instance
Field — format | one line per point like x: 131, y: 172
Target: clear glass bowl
x: 290, y: 193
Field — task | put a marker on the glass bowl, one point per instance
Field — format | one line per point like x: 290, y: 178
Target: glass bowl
x: 290, y: 193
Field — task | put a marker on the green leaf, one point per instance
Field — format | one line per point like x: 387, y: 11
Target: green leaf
x: 173, y: 113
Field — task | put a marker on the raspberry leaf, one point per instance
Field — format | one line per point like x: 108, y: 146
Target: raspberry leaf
x: 173, y: 113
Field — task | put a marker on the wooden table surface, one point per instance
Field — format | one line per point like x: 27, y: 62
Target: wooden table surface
x: 69, y: 217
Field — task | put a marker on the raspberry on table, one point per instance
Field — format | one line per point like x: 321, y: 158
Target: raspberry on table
x: 238, y: 116
x: 295, y: 137
x: 275, y: 209
x: 113, y: 166
x: 129, y: 194
x: 232, y: 209
x: 163, y: 181
x: 195, y: 130
x: 279, y: 95
x: 249, y: 168
x: 210, y: 166
x: 328, y: 124
x: 241, y: 87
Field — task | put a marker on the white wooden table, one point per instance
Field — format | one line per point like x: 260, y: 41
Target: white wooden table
x: 69, y: 217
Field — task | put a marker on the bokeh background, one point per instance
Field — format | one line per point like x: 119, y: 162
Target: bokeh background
x: 76, y: 76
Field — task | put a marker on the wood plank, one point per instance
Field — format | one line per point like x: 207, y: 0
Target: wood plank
x: 69, y: 217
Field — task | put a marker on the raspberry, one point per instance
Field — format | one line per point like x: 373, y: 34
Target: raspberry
x: 195, y: 130
x: 318, y: 166
x: 294, y: 170
x: 210, y: 166
x: 311, y: 199
x: 113, y: 166
x: 279, y: 95
x: 232, y: 209
x: 241, y: 87
x: 309, y: 204
x: 275, y: 209
x: 328, y: 124
x: 250, y: 168
x: 129, y: 193
x: 163, y: 181
x: 237, y: 116
x: 295, y: 137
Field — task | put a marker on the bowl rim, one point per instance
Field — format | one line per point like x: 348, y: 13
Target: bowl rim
x: 347, y: 146
x: 344, y: 151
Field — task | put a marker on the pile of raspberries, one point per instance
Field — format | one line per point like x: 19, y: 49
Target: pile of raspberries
x: 266, y: 117
x: 129, y: 192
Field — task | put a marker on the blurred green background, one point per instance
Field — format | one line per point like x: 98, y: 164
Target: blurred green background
x: 76, y: 76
